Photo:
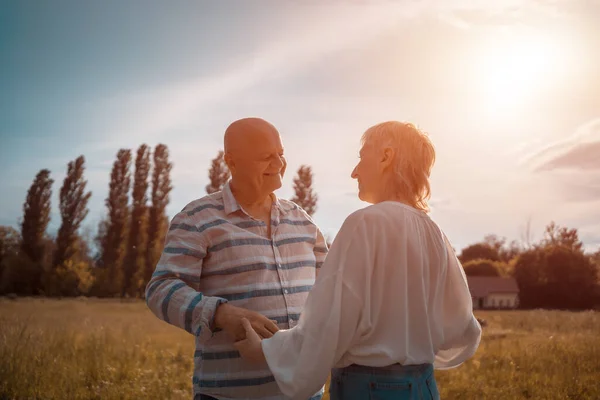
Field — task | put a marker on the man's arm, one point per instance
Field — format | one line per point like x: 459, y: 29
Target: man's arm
x: 171, y: 293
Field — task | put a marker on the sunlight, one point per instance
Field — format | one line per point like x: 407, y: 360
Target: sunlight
x: 515, y: 68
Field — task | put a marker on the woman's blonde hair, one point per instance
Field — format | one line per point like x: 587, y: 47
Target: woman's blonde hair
x: 415, y: 156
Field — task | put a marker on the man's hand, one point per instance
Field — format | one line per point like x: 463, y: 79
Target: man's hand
x: 229, y: 319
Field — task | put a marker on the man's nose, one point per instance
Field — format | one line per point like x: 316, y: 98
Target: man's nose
x: 354, y: 175
x: 278, y: 162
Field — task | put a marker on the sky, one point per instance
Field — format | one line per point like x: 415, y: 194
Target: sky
x: 509, y: 92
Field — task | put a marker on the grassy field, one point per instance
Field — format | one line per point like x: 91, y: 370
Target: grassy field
x: 95, y: 349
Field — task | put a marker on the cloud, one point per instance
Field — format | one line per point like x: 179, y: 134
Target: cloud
x: 578, y: 192
x: 504, y: 13
x: 437, y: 203
x: 571, y: 165
x: 157, y: 110
x: 582, y: 156
x: 149, y: 114
x: 590, y: 236
x: 580, y: 151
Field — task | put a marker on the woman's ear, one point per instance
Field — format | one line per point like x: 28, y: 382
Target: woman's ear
x: 387, y: 157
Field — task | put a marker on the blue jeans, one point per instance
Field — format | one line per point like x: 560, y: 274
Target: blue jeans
x: 410, y: 382
x: 207, y: 397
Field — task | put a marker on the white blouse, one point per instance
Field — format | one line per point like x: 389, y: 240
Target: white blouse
x: 391, y: 290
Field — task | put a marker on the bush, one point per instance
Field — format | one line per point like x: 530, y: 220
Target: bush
x: 69, y: 279
x: 482, y: 267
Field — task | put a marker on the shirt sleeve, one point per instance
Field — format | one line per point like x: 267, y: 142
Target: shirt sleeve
x: 320, y: 249
x: 301, y: 358
x: 462, y: 332
x: 171, y: 293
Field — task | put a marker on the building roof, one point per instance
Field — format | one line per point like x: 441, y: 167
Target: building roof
x: 482, y: 286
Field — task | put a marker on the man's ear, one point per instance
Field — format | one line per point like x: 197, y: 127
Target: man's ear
x: 229, y: 161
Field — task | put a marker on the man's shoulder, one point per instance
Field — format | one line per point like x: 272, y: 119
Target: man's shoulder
x: 288, y: 205
x: 294, y: 211
x: 209, y: 203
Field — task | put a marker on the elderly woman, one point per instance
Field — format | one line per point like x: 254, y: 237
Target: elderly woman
x: 391, y: 301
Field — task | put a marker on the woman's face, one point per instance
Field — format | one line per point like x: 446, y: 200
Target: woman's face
x: 368, y: 174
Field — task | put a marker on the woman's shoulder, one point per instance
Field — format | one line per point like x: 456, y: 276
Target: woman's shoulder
x: 385, y: 210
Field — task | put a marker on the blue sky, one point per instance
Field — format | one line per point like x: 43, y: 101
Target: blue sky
x: 508, y: 91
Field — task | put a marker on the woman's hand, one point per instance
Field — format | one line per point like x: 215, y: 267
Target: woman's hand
x: 250, y: 348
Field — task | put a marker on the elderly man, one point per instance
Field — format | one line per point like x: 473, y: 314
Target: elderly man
x: 238, y: 253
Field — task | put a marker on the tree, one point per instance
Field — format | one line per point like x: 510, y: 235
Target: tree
x: 36, y: 216
x: 556, y: 235
x: 596, y: 260
x: 304, y: 196
x: 73, y: 210
x: 218, y: 174
x: 479, y: 251
x: 481, y: 267
x: 112, y: 241
x: 135, y: 252
x: 157, y: 221
x: 556, y: 273
x: 10, y: 243
x: 570, y: 278
x: 528, y: 274
x: 492, y: 248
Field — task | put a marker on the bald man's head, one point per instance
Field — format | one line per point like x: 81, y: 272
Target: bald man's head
x: 242, y: 133
x: 254, y: 155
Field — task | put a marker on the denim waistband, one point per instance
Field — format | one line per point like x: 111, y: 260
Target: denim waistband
x: 390, y: 370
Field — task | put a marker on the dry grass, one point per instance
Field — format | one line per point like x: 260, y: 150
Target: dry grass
x: 94, y: 349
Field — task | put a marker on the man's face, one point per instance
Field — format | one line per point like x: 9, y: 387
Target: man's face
x: 260, y: 163
x: 367, y: 174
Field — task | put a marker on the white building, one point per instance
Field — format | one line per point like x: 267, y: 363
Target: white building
x: 493, y: 292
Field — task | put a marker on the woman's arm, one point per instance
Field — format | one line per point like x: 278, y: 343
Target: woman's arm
x: 462, y: 332
x: 301, y: 358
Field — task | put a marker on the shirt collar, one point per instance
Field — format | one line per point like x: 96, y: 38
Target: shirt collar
x: 229, y: 202
x: 231, y: 205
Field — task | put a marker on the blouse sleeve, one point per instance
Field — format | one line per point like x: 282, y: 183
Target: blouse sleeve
x: 301, y: 358
x: 462, y: 332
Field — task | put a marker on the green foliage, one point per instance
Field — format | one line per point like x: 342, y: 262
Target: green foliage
x: 112, y: 237
x: 69, y: 279
x: 36, y: 216
x: 158, y: 223
x: 10, y: 243
x: 73, y: 210
x: 556, y: 273
x: 19, y: 275
x: 137, y: 240
x: 304, y: 195
x: 218, y: 174
x: 482, y: 267
x: 479, y: 251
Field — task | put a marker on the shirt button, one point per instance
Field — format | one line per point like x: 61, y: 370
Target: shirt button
x: 285, y: 291
x: 278, y: 265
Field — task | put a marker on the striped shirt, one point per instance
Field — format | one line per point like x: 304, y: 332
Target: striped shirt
x: 215, y: 252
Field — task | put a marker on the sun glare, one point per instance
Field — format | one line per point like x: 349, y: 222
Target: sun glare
x: 515, y: 68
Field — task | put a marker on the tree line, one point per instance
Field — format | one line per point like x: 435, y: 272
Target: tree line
x: 129, y: 238
x: 553, y: 273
